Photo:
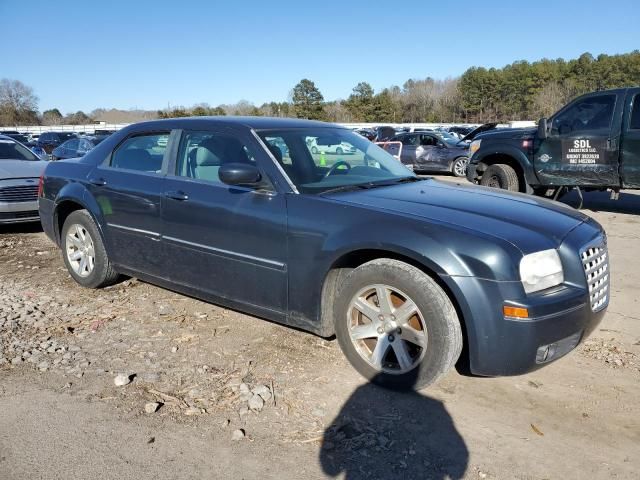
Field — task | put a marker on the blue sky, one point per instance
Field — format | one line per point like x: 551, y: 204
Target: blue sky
x: 81, y: 55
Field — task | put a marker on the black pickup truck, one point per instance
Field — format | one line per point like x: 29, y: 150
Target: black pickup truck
x: 592, y: 143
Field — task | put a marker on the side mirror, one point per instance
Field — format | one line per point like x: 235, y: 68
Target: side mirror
x: 542, y: 128
x: 241, y: 174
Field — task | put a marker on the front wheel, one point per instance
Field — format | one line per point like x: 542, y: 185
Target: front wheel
x: 459, y: 167
x: 83, y: 251
x: 502, y: 176
x: 314, y: 150
x: 396, y: 325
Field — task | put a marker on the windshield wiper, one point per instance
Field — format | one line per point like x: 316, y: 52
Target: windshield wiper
x: 366, y: 186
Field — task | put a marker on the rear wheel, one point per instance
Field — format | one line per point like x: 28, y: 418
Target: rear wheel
x: 339, y: 151
x: 396, y: 326
x: 83, y: 251
x: 314, y: 150
x: 501, y: 176
x: 459, y: 166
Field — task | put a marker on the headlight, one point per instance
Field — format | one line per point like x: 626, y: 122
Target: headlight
x: 541, y: 270
x: 474, y: 147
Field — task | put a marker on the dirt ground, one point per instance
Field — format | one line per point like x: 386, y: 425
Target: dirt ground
x: 233, y: 396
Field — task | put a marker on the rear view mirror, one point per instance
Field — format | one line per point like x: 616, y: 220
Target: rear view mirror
x: 542, y: 128
x: 327, y: 140
x: 241, y: 174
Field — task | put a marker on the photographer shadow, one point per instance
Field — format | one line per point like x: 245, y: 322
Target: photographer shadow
x: 387, y: 434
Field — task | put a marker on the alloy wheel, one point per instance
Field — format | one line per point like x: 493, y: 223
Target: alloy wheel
x: 387, y: 329
x: 80, y: 250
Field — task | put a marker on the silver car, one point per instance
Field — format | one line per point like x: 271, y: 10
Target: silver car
x: 20, y: 170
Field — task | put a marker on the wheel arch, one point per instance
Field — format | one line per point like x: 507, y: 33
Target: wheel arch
x: 514, y: 158
x: 348, y: 261
x: 71, y: 200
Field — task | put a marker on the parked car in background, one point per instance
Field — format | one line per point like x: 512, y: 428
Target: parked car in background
x: 19, y: 172
x: 28, y: 141
x: 50, y: 140
x: 367, y: 133
x: 433, y: 152
x: 76, y: 147
x: 339, y: 148
x: 406, y: 272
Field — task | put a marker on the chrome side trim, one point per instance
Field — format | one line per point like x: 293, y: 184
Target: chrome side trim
x: 135, y: 230
x: 271, y: 263
x: 273, y: 159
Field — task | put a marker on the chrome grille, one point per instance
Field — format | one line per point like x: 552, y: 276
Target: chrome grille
x: 20, y: 193
x: 595, y: 261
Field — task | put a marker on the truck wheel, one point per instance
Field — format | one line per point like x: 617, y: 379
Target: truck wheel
x: 83, y: 251
x: 396, y: 326
x: 501, y: 176
x: 459, y: 166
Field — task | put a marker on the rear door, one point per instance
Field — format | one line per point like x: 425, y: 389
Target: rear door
x: 230, y: 242
x: 582, y: 145
x: 128, y: 187
x: 630, y: 147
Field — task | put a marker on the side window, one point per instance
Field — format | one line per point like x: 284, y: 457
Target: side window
x: 143, y: 153
x: 594, y: 113
x: 428, y: 141
x: 410, y: 140
x: 202, y: 153
x: 634, y: 124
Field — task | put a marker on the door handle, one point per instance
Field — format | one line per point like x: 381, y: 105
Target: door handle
x: 98, y: 182
x: 177, y: 195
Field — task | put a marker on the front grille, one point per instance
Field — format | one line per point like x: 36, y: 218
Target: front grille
x: 595, y: 261
x: 18, y: 215
x: 20, y: 193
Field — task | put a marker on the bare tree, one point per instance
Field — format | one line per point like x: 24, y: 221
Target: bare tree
x: 18, y: 103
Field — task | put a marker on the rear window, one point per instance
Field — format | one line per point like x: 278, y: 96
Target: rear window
x: 10, y: 150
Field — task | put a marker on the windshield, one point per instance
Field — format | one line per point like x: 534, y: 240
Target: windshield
x: 11, y: 150
x: 64, y: 136
x: 449, y: 139
x: 321, y: 159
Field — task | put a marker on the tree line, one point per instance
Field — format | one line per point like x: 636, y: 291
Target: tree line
x: 519, y: 91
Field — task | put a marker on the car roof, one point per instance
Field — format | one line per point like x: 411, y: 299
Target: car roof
x: 257, y: 123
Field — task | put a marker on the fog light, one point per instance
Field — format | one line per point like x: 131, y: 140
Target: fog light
x: 552, y: 351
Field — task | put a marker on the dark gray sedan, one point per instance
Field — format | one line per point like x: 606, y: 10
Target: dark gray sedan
x: 432, y: 152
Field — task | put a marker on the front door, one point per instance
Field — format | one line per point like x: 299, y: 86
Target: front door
x: 128, y: 188
x: 582, y: 145
x: 630, y: 148
x: 230, y: 242
x: 430, y: 154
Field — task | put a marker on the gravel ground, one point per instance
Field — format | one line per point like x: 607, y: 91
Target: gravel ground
x: 134, y: 381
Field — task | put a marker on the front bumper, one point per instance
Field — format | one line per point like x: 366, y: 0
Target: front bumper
x: 19, y: 212
x: 559, y: 318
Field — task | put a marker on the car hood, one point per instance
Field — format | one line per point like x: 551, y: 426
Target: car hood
x: 477, y: 131
x: 21, y: 169
x: 529, y: 223
x: 509, y: 133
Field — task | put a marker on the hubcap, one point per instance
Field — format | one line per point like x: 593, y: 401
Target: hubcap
x: 80, y: 250
x: 387, y: 329
x: 460, y: 167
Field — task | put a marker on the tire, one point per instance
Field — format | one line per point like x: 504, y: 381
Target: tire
x: 339, y: 151
x: 501, y: 176
x: 459, y: 166
x: 79, y: 225
x: 314, y: 150
x: 434, y: 325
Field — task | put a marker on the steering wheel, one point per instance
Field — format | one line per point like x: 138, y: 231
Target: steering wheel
x: 335, y: 166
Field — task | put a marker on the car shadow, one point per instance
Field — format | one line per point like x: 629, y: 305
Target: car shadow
x: 13, y: 228
x: 601, y: 202
x: 387, y: 434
